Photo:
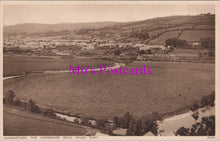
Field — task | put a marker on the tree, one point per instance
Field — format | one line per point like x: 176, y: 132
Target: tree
x: 208, y: 43
x: 195, y: 106
x: 182, y: 131
x: 9, y: 98
x: 17, y: 102
x: 174, y: 42
x: 30, y: 105
x: 131, y: 131
x: 195, y: 115
x: 109, y: 129
x: 204, y: 128
x: 49, y: 112
x: 125, y: 120
x: 117, y: 121
x: 117, y: 52
x: 85, y: 121
x: 100, y: 123
x: 140, y: 52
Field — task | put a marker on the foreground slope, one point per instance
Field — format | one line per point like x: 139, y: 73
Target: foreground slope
x: 21, y: 123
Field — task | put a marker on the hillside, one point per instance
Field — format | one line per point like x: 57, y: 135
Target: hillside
x: 21, y: 123
x: 44, y: 28
x: 190, y: 28
x: 151, y: 31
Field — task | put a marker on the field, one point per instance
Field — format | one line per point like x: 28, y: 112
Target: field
x: 171, y: 86
x: 14, y: 65
x: 20, y: 123
x: 196, y: 35
x: 161, y: 40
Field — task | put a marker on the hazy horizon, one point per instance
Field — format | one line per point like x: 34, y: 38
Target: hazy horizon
x: 93, y: 13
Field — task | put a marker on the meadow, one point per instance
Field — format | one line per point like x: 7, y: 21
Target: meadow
x: 170, y: 87
x: 16, y: 65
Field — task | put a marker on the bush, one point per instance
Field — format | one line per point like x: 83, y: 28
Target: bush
x: 49, y: 112
x: 17, y: 102
x: 76, y: 121
x: 100, y: 123
x: 211, y: 53
x: 9, y: 98
x: 182, y: 131
x: 195, y: 106
x: 208, y: 43
x: 117, y: 121
x: 85, y: 121
x: 109, y: 129
x: 195, y: 116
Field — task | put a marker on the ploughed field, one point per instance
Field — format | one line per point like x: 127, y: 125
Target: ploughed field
x: 170, y: 87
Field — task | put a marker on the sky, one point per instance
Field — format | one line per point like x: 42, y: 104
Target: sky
x: 79, y: 13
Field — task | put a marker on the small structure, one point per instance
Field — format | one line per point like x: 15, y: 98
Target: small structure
x: 100, y: 134
x: 149, y: 134
x: 119, y: 131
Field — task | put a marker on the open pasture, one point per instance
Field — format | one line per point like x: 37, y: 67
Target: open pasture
x: 171, y: 86
x: 13, y: 65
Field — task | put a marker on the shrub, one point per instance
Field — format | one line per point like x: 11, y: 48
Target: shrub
x: 208, y: 43
x: 85, y: 121
x: 76, y: 121
x: 49, y: 112
x: 100, y: 123
x: 117, y: 121
x: 17, y: 102
x: 195, y: 116
x: 9, y: 98
x: 195, y: 106
x: 109, y: 129
x: 182, y: 131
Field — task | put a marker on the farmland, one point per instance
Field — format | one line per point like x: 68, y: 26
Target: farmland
x: 17, y: 122
x: 171, y: 86
x: 14, y: 65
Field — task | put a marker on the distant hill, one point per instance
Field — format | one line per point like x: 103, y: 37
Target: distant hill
x: 44, y: 28
x: 150, y: 31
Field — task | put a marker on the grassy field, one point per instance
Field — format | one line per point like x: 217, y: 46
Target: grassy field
x: 171, y: 86
x: 196, y: 35
x: 13, y: 65
x: 20, y: 123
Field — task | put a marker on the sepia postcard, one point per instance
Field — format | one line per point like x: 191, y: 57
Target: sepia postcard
x: 109, y: 70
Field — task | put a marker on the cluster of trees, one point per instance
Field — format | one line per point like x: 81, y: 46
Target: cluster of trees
x: 138, y: 127
x: 174, y: 42
x: 204, y: 128
x: 205, y: 101
x: 141, y: 35
x: 140, y: 52
x: 11, y: 99
x: 208, y: 43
